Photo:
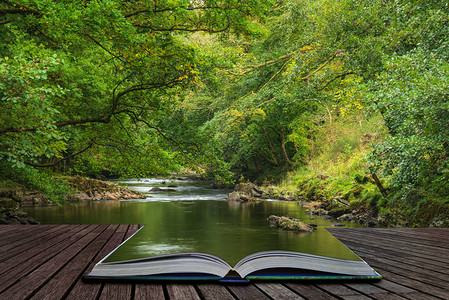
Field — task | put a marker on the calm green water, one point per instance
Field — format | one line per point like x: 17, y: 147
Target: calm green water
x: 197, y: 218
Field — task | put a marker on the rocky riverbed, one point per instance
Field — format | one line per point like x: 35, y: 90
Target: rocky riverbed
x: 360, y: 213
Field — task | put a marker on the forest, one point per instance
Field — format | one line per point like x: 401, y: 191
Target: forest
x: 341, y: 100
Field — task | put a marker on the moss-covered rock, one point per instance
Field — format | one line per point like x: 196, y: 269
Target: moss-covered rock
x: 9, y: 210
x: 291, y: 224
x: 339, y: 211
x: 234, y: 196
x: 247, y: 192
x: 8, y: 204
x: 87, y: 189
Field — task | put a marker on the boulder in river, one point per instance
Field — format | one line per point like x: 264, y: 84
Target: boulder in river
x: 246, y: 192
x: 287, y: 223
x: 234, y: 196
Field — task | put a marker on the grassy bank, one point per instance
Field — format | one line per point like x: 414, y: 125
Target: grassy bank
x: 337, y: 173
x: 336, y: 167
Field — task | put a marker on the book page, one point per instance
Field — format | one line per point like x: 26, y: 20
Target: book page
x: 226, y: 230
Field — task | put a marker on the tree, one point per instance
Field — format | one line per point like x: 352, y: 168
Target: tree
x: 101, y: 78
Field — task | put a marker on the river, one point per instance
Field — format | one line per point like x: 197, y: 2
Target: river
x: 197, y: 218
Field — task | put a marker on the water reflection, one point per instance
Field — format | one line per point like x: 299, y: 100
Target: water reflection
x: 198, y: 218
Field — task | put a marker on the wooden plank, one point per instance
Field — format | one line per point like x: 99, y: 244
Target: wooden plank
x: 214, y: 292
x: 392, y: 286
x: 278, y: 291
x: 131, y: 230
x: 19, y: 233
x: 366, y: 288
x: 23, y: 237
x: 436, y: 238
x: 58, y: 286
x: 436, y: 262
x: 438, y: 254
x: 53, y: 269
x: 409, y: 244
x: 149, y: 292
x: 38, y: 260
x: 421, y: 233
x: 356, y: 297
x: 388, y: 253
x: 386, y: 297
x: 419, y: 296
x: 399, y: 266
x: 406, y: 267
x: 90, y: 290
x: 373, y: 291
x: 246, y: 292
x: 37, y: 234
x: 415, y: 284
x: 37, y: 249
x: 430, y: 229
x: 182, y: 292
x: 401, y: 257
x: 6, y: 230
x: 395, y: 271
x: 340, y: 290
x: 310, y: 291
x: 401, y: 290
x: 116, y: 291
x: 33, y: 281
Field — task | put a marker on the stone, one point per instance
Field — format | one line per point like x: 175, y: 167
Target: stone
x: 291, y: 224
x: 346, y: 217
x: 370, y: 224
x: 234, y: 196
x: 8, y: 204
x: 339, y: 211
x: 23, y: 221
x: 249, y: 189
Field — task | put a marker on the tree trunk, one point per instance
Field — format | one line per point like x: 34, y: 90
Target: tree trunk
x: 379, y: 185
x: 284, y: 151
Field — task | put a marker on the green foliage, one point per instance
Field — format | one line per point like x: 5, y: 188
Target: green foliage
x: 46, y: 182
x: 258, y: 88
x: 96, y: 86
x: 414, y: 105
x: 313, y: 72
x: 28, y: 101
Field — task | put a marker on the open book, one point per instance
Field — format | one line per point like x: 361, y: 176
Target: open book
x: 265, y: 265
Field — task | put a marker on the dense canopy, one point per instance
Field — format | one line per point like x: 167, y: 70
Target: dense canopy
x: 233, y: 89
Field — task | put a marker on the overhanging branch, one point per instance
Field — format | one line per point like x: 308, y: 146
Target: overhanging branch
x: 161, y: 10
x: 59, y: 160
x: 186, y: 29
x: 267, y: 63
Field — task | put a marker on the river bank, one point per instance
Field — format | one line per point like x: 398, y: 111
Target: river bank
x: 357, y: 200
x: 336, y: 209
x: 83, y: 189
